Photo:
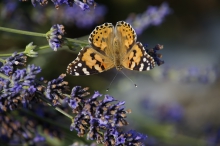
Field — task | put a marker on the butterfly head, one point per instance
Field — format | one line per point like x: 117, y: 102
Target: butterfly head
x: 119, y: 67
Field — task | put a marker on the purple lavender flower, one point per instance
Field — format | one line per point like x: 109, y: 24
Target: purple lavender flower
x: 101, y: 119
x: 12, y: 61
x: 26, y: 76
x: 20, y: 86
x: 134, y: 137
x: 200, y: 75
x: 56, y: 89
x: 82, y: 144
x: 41, y: 2
x: 6, y: 69
x: 130, y: 138
x: 77, y: 91
x: 9, y: 8
x: 171, y: 113
x: 90, y: 2
x: 55, y: 36
x: 192, y: 74
x: 14, y: 132
x: 153, y: 53
x: 84, y: 19
x: 175, y: 113
x: 20, y: 89
x: 152, y: 16
x: 16, y: 59
x: 82, y: 4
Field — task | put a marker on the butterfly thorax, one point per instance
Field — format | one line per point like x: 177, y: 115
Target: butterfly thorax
x: 117, y: 55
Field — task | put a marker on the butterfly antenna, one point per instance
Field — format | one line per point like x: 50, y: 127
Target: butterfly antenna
x: 129, y: 78
x: 112, y: 81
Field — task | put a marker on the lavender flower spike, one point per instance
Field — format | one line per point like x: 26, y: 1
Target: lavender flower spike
x: 14, y: 60
x: 55, y: 36
x: 14, y: 132
x: 152, y: 16
x: 20, y: 89
x: 153, y: 53
x: 56, y: 89
x: 82, y: 4
x: 101, y: 120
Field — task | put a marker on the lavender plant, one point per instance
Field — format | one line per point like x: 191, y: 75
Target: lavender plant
x: 19, y: 87
x: 46, y: 15
x: 152, y: 16
x: 100, y: 119
x: 82, y: 4
x: 14, y: 132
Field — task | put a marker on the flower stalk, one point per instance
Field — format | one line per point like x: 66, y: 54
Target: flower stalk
x: 35, y: 34
x: 57, y: 109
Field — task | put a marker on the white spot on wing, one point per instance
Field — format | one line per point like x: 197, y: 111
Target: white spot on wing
x: 76, y: 73
x: 79, y: 64
x: 85, y: 71
x: 77, y: 59
x: 142, y: 66
x: 144, y: 59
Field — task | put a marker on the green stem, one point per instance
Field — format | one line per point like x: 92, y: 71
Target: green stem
x: 42, y: 48
x: 57, y: 108
x: 22, y: 32
x: 61, y: 111
x: 2, y: 60
x: 8, y: 54
x: 4, y: 76
x: 37, y: 34
x: 37, y: 49
x: 67, y: 95
x: 77, y: 41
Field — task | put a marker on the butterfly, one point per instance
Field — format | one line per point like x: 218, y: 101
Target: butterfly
x: 111, y: 47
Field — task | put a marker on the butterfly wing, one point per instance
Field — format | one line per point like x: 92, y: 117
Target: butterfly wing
x: 88, y: 62
x: 101, y: 39
x: 126, y: 36
x: 99, y: 56
x: 134, y: 56
x: 138, y: 59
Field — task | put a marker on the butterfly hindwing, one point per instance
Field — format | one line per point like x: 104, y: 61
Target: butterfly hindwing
x: 138, y: 59
x: 89, y: 62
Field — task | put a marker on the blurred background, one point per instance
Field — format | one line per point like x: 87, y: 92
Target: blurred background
x: 175, y: 104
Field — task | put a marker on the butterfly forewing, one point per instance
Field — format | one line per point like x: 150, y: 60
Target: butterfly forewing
x: 126, y: 36
x: 101, y: 38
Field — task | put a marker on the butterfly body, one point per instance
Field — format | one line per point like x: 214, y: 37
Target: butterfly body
x: 116, y: 56
x: 111, y: 47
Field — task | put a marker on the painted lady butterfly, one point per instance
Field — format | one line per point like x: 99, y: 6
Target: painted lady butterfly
x: 111, y: 47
